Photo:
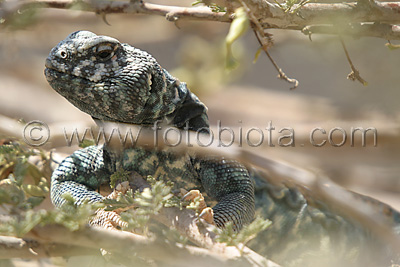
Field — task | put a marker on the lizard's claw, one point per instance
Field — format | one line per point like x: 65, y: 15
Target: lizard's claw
x: 206, y: 213
x: 108, y: 220
x: 111, y: 219
x: 196, y: 196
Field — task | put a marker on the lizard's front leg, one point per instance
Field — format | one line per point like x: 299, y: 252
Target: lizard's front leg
x: 229, y: 183
x: 80, y: 175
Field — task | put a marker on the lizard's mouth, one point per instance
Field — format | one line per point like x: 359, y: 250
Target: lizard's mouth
x: 54, y: 72
x: 51, y: 72
x: 64, y: 82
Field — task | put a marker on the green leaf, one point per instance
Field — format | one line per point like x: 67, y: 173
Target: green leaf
x: 232, y: 238
x: 392, y: 46
x: 257, y: 55
x: 238, y: 27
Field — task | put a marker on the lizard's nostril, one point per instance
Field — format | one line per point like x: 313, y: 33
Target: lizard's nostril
x: 48, y: 64
x: 62, y: 54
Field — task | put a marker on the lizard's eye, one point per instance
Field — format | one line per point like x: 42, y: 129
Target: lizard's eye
x: 104, y: 52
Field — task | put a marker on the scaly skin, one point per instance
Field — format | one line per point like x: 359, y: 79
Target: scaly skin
x: 119, y: 83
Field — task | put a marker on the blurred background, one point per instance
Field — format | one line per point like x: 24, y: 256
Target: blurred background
x: 250, y: 96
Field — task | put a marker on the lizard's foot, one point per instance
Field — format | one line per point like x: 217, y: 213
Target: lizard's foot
x: 111, y: 219
x: 108, y: 219
x: 206, y: 213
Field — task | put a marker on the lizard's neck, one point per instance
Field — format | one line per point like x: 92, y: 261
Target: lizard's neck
x: 190, y: 114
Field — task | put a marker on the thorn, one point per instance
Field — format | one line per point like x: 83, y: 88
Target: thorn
x: 306, y: 31
x: 33, y: 252
x: 176, y: 25
x: 103, y: 16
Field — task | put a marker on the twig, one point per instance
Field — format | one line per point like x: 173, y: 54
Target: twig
x: 354, y: 74
x: 281, y: 75
x: 265, y: 41
x: 384, y: 31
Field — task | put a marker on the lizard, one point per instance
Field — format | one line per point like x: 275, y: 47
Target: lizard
x: 116, y: 82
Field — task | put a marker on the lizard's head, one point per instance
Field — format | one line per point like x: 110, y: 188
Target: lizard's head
x: 111, y: 81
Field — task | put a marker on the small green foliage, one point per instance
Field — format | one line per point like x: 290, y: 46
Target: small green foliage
x: 175, y: 236
x: 11, y: 155
x: 239, y: 26
x: 231, y: 238
x: 87, y: 143
x: 16, y: 197
x: 22, y: 184
x: 19, y: 225
x: 154, y: 198
x: 148, y: 202
x: 12, y: 194
x: 119, y: 176
x: 69, y: 215
x: 392, y: 46
x: 257, y: 55
x: 39, y: 190
x: 14, y: 159
x: 194, y: 204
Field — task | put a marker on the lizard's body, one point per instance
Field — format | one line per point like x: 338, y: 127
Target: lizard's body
x: 116, y: 82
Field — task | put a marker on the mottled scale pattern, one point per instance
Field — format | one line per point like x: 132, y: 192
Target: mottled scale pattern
x: 80, y: 175
x: 228, y: 182
x: 112, y: 81
x: 117, y: 82
x: 306, y: 232
x: 223, y: 182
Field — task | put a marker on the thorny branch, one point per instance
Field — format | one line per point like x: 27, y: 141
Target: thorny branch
x: 270, y: 15
x: 362, y: 18
x: 265, y: 40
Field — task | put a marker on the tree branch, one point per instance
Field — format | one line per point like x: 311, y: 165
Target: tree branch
x: 12, y: 247
x: 172, y: 13
x: 128, y: 244
x: 354, y: 74
x: 270, y: 15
